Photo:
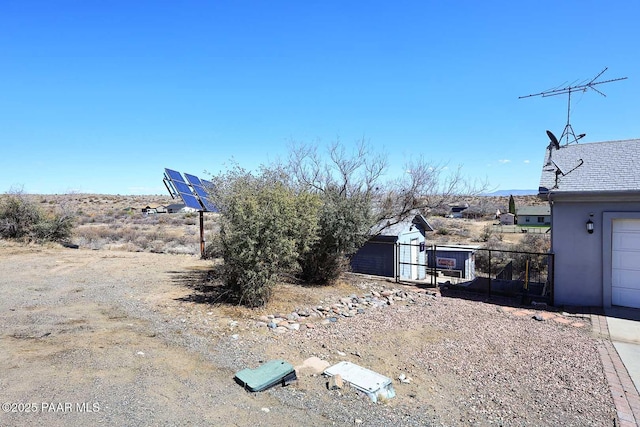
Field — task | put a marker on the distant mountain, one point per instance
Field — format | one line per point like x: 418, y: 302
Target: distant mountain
x: 513, y: 192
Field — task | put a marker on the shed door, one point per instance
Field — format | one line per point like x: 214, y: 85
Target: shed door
x: 625, y: 263
x: 415, y: 258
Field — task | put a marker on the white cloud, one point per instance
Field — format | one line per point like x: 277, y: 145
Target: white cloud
x: 504, y: 161
x: 527, y: 161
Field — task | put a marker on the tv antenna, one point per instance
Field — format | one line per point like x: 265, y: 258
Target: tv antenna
x: 583, y: 86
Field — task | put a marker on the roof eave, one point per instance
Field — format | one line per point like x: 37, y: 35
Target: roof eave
x: 589, y: 196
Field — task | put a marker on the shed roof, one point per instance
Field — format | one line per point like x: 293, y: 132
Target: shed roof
x: 593, y: 167
x: 394, y: 230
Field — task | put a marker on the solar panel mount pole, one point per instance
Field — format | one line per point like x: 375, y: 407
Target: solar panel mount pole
x: 202, y: 254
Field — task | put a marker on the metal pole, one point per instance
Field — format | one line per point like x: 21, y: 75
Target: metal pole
x: 202, y: 254
x: 490, y: 272
x: 397, y: 263
x: 435, y: 267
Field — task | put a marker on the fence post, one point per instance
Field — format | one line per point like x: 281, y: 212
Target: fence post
x: 490, y: 268
x: 398, y: 266
x: 434, y: 270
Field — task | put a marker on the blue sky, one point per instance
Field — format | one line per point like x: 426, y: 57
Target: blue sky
x: 100, y: 97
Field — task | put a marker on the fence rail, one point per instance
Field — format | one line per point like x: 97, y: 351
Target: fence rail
x: 489, y: 271
x: 521, y: 229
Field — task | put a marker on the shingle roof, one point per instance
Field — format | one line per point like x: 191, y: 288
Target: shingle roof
x: 600, y: 166
x: 542, y: 210
x: 395, y: 230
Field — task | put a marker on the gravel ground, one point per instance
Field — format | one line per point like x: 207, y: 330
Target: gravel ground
x: 121, y: 330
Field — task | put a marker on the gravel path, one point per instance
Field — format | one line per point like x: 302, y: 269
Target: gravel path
x: 116, y: 329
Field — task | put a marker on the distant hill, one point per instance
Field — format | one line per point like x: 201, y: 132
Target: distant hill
x: 513, y: 192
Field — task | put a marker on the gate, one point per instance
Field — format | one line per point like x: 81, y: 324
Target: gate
x: 488, y: 271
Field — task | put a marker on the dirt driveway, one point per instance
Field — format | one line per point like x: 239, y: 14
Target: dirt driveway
x: 116, y: 338
x: 82, y: 345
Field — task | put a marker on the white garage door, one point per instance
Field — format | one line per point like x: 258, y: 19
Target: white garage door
x: 625, y: 263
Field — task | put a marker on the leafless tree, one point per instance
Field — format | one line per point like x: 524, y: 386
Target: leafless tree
x: 360, y: 173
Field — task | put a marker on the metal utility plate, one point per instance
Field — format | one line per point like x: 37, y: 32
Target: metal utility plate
x: 372, y: 383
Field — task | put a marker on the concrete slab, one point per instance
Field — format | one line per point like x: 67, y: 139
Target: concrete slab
x: 630, y: 355
x: 624, y: 331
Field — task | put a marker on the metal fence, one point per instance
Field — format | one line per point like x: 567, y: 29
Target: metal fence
x: 489, y: 271
x: 504, y: 228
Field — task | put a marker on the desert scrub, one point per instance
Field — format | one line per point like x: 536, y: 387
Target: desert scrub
x: 21, y: 218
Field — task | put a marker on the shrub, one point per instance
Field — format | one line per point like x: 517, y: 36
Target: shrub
x: 265, y: 225
x: 17, y: 217
x: 23, y: 219
x: 344, y: 225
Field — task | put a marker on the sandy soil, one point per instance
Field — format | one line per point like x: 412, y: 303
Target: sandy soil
x: 120, y: 338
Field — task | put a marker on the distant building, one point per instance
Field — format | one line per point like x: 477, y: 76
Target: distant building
x: 507, y: 218
x: 534, y: 215
x: 456, y: 209
x: 179, y: 207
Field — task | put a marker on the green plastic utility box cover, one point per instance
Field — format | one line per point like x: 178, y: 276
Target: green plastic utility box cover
x: 268, y: 375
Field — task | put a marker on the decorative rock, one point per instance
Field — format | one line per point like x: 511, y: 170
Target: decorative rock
x: 312, y: 365
x: 294, y: 326
x: 310, y: 326
x: 280, y: 330
x: 272, y: 325
x: 404, y: 379
x: 538, y: 318
x: 333, y: 319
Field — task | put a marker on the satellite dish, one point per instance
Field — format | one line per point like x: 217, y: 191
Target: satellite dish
x: 553, y: 139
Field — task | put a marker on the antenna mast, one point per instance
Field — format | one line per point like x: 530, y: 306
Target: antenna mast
x: 568, y: 130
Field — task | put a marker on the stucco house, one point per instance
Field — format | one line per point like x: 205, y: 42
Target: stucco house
x: 534, y: 215
x: 594, y: 195
x: 396, y: 250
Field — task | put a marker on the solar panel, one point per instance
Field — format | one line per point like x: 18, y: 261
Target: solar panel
x: 182, y: 187
x: 198, y: 186
x: 191, y: 201
x: 174, y: 175
x: 179, y: 186
x: 193, y: 180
